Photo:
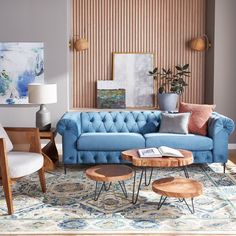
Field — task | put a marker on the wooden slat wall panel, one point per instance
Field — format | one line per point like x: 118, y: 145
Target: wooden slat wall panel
x: 160, y: 26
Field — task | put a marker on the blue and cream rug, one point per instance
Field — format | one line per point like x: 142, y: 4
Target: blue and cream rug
x: 68, y: 205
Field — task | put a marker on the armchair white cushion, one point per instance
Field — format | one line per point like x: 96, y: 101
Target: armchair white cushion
x: 24, y: 163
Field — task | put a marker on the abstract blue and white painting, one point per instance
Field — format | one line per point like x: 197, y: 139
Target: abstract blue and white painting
x: 20, y: 64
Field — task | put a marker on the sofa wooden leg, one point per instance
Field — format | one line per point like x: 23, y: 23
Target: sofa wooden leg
x: 64, y: 169
x: 224, y: 167
x: 42, y: 179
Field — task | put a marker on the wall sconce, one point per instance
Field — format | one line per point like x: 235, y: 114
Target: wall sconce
x: 200, y: 44
x: 79, y: 44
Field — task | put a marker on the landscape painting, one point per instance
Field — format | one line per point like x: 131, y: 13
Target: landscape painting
x: 110, y: 95
x: 111, y: 98
x: 20, y: 64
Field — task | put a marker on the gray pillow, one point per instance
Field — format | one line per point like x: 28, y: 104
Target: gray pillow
x: 8, y: 142
x: 174, y: 123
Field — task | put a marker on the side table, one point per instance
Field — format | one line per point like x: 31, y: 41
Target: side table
x: 109, y: 174
x: 180, y: 188
x: 49, y: 151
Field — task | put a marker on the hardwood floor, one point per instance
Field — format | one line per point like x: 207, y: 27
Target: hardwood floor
x: 134, y: 234
x: 232, y: 155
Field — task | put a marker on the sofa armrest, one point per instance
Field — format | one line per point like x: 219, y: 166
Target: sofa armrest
x: 69, y: 127
x: 218, y: 123
x: 70, y: 121
x: 219, y: 129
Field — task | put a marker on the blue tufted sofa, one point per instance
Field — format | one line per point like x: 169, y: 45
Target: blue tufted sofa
x: 99, y: 137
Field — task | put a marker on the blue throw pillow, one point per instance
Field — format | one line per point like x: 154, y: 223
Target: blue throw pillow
x: 150, y: 127
x: 174, y: 123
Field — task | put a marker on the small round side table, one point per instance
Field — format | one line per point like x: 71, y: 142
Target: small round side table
x: 180, y: 188
x: 109, y: 174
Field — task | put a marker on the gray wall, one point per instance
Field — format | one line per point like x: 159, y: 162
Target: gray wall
x: 221, y: 58
x: 210, y: 32
x: 38, y: 21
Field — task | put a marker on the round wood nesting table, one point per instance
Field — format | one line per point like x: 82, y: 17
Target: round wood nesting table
x: 144, y: 162
x: 133, y: 156
x: 179, y: 188
x: 109, y: 174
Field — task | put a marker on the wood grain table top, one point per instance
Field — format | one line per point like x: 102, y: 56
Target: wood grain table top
x: 177, y: 187
x: 133, y: 156
x: 109, y: 173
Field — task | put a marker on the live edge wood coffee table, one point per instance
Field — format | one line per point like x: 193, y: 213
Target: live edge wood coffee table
x: 180, y: 188
x: 109, y: 174
x: 144, y: 163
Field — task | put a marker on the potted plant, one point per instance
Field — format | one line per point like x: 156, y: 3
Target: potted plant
x: 171, y: 85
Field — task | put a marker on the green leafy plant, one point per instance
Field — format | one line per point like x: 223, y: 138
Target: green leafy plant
x: 169, y: 81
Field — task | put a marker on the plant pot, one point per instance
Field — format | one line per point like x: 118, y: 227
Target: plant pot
x: 167, y: 101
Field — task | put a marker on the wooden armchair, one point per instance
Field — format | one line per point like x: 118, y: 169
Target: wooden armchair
x: 23, y: 160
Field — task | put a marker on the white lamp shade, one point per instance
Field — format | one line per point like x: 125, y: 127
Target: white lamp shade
x: 42, y: 93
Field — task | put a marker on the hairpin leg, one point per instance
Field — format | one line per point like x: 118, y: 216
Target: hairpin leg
x: 181, y: 200
x: 107, y: 188
x: 134, y: 199
x: 161, y: 202
x: 123, y: 188
x: 186, y: 172
x: 150, y: 177
x: 190, y: 209
x: 96, y: 196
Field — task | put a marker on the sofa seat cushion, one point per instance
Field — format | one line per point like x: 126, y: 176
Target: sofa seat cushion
x: 190, y: 142
x: 110, y: 141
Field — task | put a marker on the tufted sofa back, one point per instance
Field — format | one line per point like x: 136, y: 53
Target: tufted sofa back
x: 123, y: 121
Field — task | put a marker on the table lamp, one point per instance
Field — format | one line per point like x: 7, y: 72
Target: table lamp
x: 42, y: 94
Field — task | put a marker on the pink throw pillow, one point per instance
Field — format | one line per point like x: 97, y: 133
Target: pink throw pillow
x: 200, y: 114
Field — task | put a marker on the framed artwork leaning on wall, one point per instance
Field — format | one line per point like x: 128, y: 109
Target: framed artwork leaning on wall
x: 131, y: 70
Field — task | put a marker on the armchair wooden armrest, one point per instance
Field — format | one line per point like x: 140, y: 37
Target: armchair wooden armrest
x: 24, y: 139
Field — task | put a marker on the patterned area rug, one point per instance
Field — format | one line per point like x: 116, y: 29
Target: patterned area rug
x: 68, y: 205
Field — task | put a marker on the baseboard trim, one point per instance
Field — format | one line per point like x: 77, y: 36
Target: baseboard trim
x: 59, y: 148
x: 232, y: 146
